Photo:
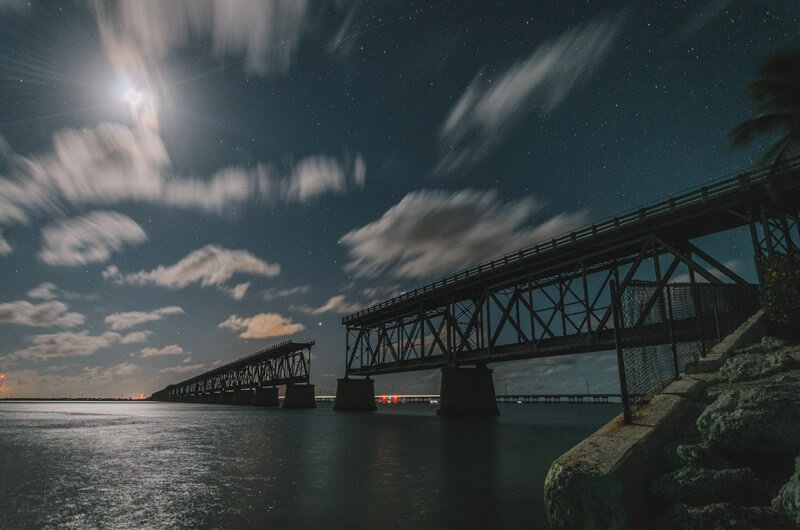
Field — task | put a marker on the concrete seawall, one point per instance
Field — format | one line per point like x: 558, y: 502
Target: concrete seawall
x: 604, y: 481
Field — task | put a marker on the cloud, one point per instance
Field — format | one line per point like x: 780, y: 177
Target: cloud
x: 437, y: 232
x: 134, y: 318
x: 121, y: 370
x: 88, y: 239
x: 5, y: 248
x: 237, y: 292
x: 183, y: 368
x: 44, y: 291
x: 262, y: 326
x: 136, y: 337
x: 172, y: 349
x: 67, y: 344
x: 115, y: 163
x: 488, y: 109
x: 273, y: 293
x: 316, y: 175
x: 210, y: 265
x: 45, y: 314
x: 336, y: 304
x: 50, y: 291
x: 264, y: 34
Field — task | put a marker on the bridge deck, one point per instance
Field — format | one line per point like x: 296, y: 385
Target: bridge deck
x: 718, y: 206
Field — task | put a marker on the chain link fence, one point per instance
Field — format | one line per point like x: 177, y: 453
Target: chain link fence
x: 659, y: 331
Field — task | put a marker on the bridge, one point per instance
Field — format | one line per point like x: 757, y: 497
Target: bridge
x: 252, y: 380
x: 554, y: 298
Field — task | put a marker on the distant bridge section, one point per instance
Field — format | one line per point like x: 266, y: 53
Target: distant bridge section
x: 252, y: 380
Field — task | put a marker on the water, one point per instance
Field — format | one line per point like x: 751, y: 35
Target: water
x: 154, y: 465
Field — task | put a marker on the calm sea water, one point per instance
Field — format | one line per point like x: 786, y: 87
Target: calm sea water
x: 152, y: 465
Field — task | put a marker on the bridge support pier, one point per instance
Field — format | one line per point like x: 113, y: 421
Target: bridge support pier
x: 243, y: 397
x: 266, y: 397
x: 226, y: 398
x: 355, y: 394
x: 299, y: 397
x: 467, y: 392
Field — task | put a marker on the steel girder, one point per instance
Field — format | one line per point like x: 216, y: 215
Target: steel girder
x: 567, y: 312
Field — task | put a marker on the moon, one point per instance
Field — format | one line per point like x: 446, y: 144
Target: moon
x: 133, y: 96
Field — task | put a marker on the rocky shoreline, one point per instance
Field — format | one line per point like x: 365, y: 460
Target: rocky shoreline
x: 737, y: 464
x: 719, y: 448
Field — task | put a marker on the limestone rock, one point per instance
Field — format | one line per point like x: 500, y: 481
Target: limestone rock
x: 697, y: 486
x: 697, y: 455
x: 748, y: 366
x: 788, y: 500
x: 754, y: 424
x: 771, y: 343
x: 722, y: 515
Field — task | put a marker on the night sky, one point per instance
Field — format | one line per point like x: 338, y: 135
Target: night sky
x: 186, y: 182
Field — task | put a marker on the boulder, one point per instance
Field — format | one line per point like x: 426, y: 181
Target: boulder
x: 722, y: 515
x: 697, y: 486
x: 759, y: 424
x: 788, y: 500
x: 748, y: 366
x: 771, y: 344
x: 698, y: 455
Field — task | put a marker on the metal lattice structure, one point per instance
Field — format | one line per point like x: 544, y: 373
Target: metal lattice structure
x: 283, y: 364
x: 712, y: 310
x: 553, y: 298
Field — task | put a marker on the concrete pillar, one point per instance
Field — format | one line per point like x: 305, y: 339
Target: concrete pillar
x: 243, y: 397
x: 299, y: 397
x: 467, y: 392
x: 226, y: 398
x: 355, y: 394
x: 266, y: 397
x: 215, y: 397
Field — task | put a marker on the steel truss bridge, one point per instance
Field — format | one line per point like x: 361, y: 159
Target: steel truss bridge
x: 553, y: 298
x: 286, y: 363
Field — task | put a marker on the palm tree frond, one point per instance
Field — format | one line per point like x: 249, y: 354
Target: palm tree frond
x: 782, y: 66
x: 744, y: 133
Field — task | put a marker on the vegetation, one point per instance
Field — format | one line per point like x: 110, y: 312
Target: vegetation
x: 777, y: 95
x: 780, y: 289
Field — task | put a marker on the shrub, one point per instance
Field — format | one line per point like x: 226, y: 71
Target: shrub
x: 780, y: 289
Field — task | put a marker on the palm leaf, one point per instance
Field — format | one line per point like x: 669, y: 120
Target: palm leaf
x: 744, y: 133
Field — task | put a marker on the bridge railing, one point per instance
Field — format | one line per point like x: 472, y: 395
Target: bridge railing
x: 694, y: 317
x: 713, y: 190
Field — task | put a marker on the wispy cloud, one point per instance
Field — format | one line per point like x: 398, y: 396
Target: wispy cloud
x: 238, y: 291
x: 136, y: 337
x: 210, y: 265
x: 172, y: 349
x: 5, y: 247
x: 45, y: 314
x: 115, y: 163
x: 436, y: 232
x: 492, y: 105
x: 264, y: 34
x: 335, y: 304
x: 273, y: 292
x: 50, y: 291
x: 44, y: 291
x: 88, y: 239
x: 262, y: 326
x: 130, y: 319
x: 67, y: 344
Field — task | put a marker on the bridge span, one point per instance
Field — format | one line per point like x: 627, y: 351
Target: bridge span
x: 554, y: 298
x: 252, y: 380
